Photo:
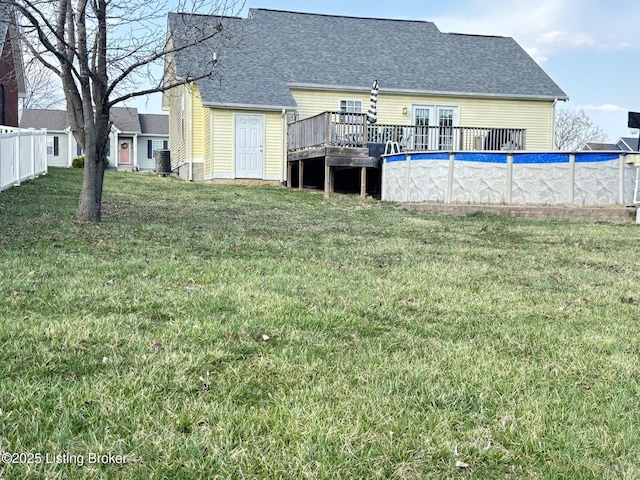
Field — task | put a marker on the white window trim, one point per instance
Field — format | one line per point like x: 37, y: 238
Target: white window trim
x: 350, y: 102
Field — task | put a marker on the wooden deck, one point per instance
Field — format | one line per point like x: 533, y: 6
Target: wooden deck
x: 333, y: 159
x: 340, y: 140
x: 328, y: 143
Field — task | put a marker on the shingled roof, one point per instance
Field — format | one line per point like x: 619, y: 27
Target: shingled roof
x: 278, y: 50
x: 127, y: 120
x: 154, y: 124
x: 55, y: 120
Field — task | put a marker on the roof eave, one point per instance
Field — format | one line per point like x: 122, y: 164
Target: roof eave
x: 435, y: 93
x: 248, y: 106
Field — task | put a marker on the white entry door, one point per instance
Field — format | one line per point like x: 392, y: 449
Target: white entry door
x: 435, y: 127
x: 249, y: 143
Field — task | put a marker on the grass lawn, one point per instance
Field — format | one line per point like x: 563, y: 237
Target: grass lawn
x: 232, y: 332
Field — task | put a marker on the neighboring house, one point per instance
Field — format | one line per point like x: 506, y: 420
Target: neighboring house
x: 601, y: 146
x: 627, y: 144
x: 133, y: 139
x: 11, y: 69
x: 291, y: 66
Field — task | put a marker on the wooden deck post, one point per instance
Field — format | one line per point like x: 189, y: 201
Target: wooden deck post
x: 363, y: 182
x: 289, y: 175
x: 300, y: 174
x: 328, y: 183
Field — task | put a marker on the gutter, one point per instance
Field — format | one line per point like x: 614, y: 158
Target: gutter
x: 246, y: 106
x: 399, y: 91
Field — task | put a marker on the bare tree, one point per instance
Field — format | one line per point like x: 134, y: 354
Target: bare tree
x: 574, y: 129
x: 43, y: 88
x: 108, y: 51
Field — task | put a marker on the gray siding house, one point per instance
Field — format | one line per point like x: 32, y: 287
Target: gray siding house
x: 133, y: 139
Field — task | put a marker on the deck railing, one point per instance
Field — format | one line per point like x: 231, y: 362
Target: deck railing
x: 412, y: 137
x: 336, y: 129
x: 340, y: 129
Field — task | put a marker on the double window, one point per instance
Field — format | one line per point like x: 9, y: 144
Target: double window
x: 351, y: 106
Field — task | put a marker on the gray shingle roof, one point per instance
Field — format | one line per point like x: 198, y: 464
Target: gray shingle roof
x: 124, y: 119
x: 41, y: 118
x: 601, y: 146
x: 628, y: 143
x: 154, y: 124
x: 279, y: 49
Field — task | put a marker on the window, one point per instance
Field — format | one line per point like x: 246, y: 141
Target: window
x: 153, y: 145
x: 53, y: 146
x: 351, y: 106
x: 79, y: 150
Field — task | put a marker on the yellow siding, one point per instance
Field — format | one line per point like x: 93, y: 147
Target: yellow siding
x: 206, y: 129
x: 273, y: 143
x: 176, y: 143
x: 197, y: 124
x: 222, y: 143
x: 535, y: 116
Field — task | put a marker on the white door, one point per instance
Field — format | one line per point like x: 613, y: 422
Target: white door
x: 249, y: 143
x: 446, y: 134
x: 423, y: 120
x: 435, y: 127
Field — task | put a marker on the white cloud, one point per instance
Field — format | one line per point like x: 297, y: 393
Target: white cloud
x: 537, y: 56
x: 606, y: 107
x: 548, y: 27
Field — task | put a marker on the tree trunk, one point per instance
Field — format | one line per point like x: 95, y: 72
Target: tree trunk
x: 96, y: 137
x: 90, y: 203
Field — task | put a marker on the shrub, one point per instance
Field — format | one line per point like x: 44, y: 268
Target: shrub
x: 78, y: 162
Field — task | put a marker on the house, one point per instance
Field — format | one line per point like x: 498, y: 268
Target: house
x: 12, y: 84
x: 627, y: 144
x: 284, y: 68
x: 133, y: 139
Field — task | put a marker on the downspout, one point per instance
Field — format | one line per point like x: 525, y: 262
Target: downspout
x: 553, y: 125
x: 283, y: 151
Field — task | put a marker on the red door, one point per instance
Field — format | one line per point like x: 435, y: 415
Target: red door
x: 125, y: 152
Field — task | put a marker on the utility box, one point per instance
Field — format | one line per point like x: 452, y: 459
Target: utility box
x: 163, y: 162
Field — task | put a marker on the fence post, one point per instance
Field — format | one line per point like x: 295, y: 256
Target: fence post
x: 452, y: 160
x: 509, y: 192
x: 383, y: 193
x: 43, y: 152
x: 621, y: 162
x: 16, y: 151
x: 32, y: 152
x: 572, y: 177
x: 407, y: 179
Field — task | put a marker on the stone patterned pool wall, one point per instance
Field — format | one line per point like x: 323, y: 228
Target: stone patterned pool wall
x: 549, y: 178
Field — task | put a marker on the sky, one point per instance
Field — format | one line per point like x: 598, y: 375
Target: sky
x: 590, y: 48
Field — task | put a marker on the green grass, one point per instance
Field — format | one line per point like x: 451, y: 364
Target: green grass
x: 398, y: 343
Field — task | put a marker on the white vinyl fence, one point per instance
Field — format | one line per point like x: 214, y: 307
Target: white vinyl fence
x: 23, y: 155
